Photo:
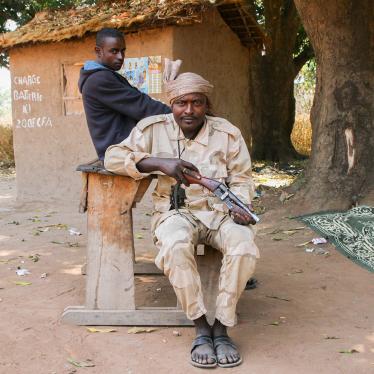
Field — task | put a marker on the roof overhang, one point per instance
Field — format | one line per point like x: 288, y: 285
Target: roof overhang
x: 129, y: 16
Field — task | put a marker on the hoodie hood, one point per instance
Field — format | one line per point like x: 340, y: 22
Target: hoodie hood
x: 93, y: 65
x: 89, y: 68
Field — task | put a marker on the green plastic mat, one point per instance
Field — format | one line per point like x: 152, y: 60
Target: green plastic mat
x: 351, y: 232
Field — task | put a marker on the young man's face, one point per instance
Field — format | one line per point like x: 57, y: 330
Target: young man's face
x: 189, y: 113
x: 111, y: 52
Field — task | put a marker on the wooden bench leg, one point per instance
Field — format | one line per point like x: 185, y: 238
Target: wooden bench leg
x: 110, y: 287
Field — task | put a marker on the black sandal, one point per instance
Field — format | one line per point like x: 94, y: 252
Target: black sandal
x: 251, y: 284
x: 225, y: 340
x: 200, y: 340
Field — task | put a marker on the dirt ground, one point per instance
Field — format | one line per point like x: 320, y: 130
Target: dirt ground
x: 308, y: 308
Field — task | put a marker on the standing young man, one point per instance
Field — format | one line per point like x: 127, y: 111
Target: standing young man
x: 167, y: 145
x: 112, y: 105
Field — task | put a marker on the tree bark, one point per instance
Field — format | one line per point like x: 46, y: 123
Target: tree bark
x: 272, y: 102
x: 272, y: 109
x: 341, y: 167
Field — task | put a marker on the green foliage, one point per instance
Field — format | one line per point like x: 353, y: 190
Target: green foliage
x: 309, y: 74
x: 304, y: 87
x: 260, y: 10
x: 22, y: 11
x: 39, y: 5
x: 12, y: 10
x: 302, y: 42
x: 304, y: 62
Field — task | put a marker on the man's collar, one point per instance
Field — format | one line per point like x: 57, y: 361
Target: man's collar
x: 203, y: 135
x: 201, y: 138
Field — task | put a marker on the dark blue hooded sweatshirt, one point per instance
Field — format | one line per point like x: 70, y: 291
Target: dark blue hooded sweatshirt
x: 113, y: 107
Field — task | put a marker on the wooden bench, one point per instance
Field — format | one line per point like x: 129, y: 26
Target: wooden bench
x: 111, y: 266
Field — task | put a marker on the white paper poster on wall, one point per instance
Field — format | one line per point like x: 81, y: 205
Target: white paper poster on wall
x: 155, y: 74
x: 144, y: 73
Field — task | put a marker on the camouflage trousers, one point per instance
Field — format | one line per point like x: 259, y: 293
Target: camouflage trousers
x: 176, y: 236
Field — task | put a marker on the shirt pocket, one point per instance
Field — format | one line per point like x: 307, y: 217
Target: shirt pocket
x: 214, y: 171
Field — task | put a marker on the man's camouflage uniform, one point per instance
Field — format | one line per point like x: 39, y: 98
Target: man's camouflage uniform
x: 219, y: 152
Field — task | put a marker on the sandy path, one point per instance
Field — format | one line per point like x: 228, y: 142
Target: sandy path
x: 329, y: 296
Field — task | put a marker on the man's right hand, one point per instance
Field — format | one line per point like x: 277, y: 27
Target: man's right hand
x: 173, y: 167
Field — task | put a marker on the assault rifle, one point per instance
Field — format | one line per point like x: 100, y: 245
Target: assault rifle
x: 223, y: 192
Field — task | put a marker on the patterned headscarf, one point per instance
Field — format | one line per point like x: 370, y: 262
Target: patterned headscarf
x: 177, y: 86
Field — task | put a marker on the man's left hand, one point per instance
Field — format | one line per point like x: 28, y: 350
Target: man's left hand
x: 243, y: 219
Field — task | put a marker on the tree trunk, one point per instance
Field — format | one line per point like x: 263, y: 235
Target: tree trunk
x: 272, y: 102
x: 272, y: 108
x: 341, y: 168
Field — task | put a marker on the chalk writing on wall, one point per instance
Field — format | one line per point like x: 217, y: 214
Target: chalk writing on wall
x: 26, y: 91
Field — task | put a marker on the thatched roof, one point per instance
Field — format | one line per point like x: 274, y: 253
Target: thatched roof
x: 130, y: 15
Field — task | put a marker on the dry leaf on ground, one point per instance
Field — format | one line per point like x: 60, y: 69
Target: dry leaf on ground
x: 285, y: 196
x: 22, y: 283
x: 349, y: 351
x: 81, y: 364
x: 289, y: 232
x: 275, y: 323
x: 34, y: 258
x: 277, y: 297
x: 94, y: 329
x: 302, y: 244
x: 139, y: 330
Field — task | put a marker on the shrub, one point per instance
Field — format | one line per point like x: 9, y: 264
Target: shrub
x: 301, y: 135
x: 6, y: 146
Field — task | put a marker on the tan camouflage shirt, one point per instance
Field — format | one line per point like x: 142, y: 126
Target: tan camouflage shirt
x: 218, y: 151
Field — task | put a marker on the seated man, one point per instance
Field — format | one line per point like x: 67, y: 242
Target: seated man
x: 168, y: 145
